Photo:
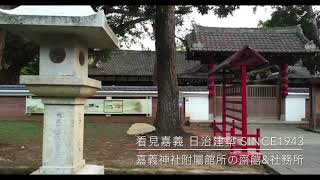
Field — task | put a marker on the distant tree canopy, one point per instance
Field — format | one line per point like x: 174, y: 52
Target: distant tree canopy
x: 290, y: 16
x: 19, y: 55
x: 294, y: 15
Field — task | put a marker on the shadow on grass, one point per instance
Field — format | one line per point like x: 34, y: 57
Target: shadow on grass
x: 18, y: 170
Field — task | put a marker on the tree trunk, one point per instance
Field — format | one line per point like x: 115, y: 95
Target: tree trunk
x: 314, y: 29
x: 154, y: 77
x: 2, y: 45
x: 155, y: 72
x: 10, y: 76
x: 167, y: 118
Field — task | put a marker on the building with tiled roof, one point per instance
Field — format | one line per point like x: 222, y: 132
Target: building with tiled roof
x: 298, y: 76
x: 127, y: 67
x: 279, y: 46
x: 276, y: 44
x: 136, y: 68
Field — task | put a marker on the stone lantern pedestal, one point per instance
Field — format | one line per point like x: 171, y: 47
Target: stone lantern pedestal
x: 63, y: 82
x: 63, y: 100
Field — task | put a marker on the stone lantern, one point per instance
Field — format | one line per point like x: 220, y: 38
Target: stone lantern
x: 64, y: 34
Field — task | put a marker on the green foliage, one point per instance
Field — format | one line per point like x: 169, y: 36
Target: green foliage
x: 291, y: 16
x: 312, y: 64
x: 19, y: 132
x: 284, y: 16
x: 110, y: 131
x: 32, y: 68
x: 18, y: 53
x: 123, y: 20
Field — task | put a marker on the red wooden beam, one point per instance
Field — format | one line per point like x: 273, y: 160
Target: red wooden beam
x: 234, y: 102
x: 245, y: 56
x: 233, y: 125
x: 233, y: 94
x: 244, y: 102
x: 235, y: 118
x: 224, y: 118
x: 235, y: 110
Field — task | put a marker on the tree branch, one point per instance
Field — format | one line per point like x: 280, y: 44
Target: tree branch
x: 123, y: 11
x: 131, y: 23
x: 184, y: 42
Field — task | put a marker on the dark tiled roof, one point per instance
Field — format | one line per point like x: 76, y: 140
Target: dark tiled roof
x: 151, y: 88
x: 295, y: 71
x: 139, y: 63
x: 299, y: 72
x: 254, y: 59
x: 272, y: 40
x: 118, y: 88
x: 13, y: 87
x: 146, y: 88
x: 298, y: 90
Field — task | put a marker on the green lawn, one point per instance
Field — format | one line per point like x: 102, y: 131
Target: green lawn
x: 19, y: 132
x: 104, y: 144
x: 112, y: 131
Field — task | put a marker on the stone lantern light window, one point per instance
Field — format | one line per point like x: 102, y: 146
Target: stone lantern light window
x: 57, y: 55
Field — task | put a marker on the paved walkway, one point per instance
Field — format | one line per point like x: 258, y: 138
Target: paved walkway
x: 310, y: 150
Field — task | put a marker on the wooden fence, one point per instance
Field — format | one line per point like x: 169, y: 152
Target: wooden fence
x: 262, y: 101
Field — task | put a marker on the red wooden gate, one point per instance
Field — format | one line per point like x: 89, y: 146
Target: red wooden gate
x: 235, y: 85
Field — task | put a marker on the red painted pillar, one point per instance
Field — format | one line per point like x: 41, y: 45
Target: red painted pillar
x: 244, y: 102
x: 224, y: 115
x: 284, y: 80
x: 211, y: 98
x: 283, y: 89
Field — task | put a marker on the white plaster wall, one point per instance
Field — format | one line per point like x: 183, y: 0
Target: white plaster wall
x: 197, y: 108
x: 295, y: 106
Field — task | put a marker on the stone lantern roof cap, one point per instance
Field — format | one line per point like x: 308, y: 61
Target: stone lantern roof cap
x: 51, y: 10
x: 43, y: 23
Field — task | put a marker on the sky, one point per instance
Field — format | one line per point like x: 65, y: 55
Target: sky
x: 242, y: 17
